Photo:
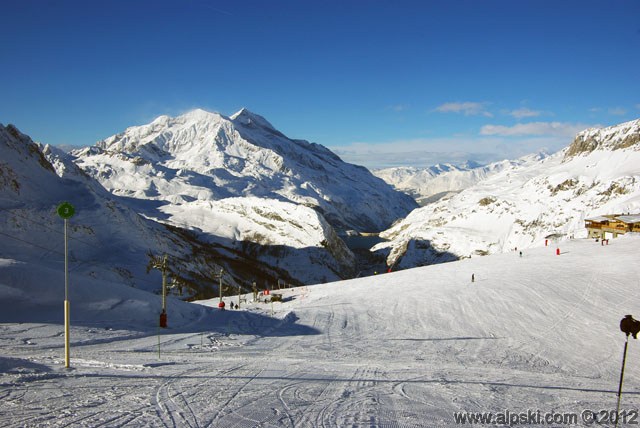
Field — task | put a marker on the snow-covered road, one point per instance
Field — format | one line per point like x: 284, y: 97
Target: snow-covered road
x: 407, y: 349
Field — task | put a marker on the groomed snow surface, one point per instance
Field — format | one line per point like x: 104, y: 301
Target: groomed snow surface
x: 408, y: 349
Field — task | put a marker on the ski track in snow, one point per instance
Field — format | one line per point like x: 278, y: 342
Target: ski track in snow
x: 396, y: 350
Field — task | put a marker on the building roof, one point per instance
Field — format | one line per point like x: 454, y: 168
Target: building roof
x: 634, y: 218
x: 628, y: 219
x: 598, y: 219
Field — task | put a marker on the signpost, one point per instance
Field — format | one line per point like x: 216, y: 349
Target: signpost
x: 221, y: 303
x: 66, y: 211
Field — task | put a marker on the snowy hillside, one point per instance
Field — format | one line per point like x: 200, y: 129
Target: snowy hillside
x: 422, y: 347
x: 517, y: 207
x: 202, y: 156
x: 428, y: 185
x: 107, y: 240
x: 111, y: 241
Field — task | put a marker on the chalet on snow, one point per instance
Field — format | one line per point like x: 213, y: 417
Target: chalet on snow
x: 610, y: 226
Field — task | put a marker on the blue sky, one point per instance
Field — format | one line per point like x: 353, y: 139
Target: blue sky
x: 382, y: 83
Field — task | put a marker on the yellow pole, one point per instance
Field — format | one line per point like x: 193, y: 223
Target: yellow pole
x: 66, y: 334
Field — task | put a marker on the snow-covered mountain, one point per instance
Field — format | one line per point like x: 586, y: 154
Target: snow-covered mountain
x: 110, y: 241
x: 202, y: 157
x: 239, y: 182
x: 107, y: 240
x: 439, y: 181
x: 517, y: 207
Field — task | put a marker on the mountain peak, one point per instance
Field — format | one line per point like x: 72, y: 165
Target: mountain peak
x: 199, y: 115
x: 252, y: 120
x: 615, y: 137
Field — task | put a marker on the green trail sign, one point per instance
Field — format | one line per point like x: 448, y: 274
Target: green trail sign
x: 66, y: 210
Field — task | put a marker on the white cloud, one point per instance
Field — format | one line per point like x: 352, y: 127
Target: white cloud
x: 614, y: 111
x: 617, y: 111
x: 521, y: 113
x: 417, y: 153
x: 493, y: 143
x: 558, y: 129
x: 467, y: 108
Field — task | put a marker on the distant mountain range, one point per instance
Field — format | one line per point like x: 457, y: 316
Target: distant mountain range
x: 519, y: 203
x: 427, y: 185
x: 233, y: 194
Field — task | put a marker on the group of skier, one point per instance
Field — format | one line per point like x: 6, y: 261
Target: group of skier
x: 232, y: 305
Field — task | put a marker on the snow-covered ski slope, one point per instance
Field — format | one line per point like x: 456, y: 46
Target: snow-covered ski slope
x: 408, y: 349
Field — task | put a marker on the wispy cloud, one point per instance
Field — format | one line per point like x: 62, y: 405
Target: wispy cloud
x: 617, y: 111
x: 613, y: 111
x: 524, y: 112
x: 416, y: 152
x: 492, y: 143
x: 558, y: 129
x: 467, y: 108
x: 424, y: 152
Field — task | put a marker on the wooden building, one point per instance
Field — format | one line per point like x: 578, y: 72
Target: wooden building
x: 612, y: 225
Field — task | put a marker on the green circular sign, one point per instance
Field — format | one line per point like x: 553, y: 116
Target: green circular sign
x: 66, y: 210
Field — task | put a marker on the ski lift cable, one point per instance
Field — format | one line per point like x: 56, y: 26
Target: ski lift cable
x: 46, y: 226
x: 87, y: 263
x: 32, y: 244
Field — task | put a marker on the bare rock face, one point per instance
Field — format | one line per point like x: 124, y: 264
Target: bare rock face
x: 612, y: 138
